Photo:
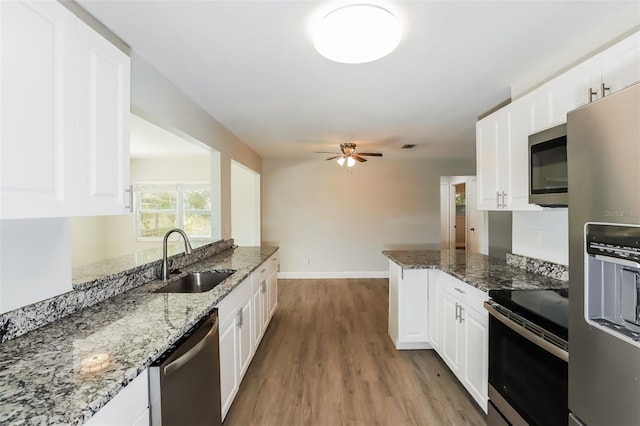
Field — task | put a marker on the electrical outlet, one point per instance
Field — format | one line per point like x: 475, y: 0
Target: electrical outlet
x: 307, y: 260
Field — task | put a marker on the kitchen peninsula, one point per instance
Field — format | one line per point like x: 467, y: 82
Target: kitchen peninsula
x: 436, y: 300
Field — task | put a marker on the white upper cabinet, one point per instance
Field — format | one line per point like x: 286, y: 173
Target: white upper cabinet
x: 621, y: 65
x: 38, y: 137
x: 571, y: 90
x: 102, y: 139
x: 501, y: 155
x: 65, y: 108
x: 492, y: 157
x: 502, y: 138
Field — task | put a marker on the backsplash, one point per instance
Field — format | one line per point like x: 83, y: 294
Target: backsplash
x: 537, y: 266
x: 101, y: 287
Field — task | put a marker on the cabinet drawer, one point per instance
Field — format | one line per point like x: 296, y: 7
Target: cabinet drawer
x: 464, y: 292
x: 263, y: 271
x: 229, y: 305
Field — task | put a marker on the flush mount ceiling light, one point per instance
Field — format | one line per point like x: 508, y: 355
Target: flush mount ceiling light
x: 356, y: 34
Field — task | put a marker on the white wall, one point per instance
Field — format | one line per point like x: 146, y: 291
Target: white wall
x: 245, y: 205
x: 35, y: 261
x: 160, y: 102
x: 541, y: 235
x: 341, y: 221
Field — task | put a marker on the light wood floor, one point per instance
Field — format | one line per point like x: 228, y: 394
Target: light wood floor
x: 326, y: 359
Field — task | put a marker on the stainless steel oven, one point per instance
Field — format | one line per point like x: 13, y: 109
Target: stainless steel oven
x: 528, y: 357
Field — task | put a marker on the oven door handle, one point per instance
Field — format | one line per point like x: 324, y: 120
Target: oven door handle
x: 532, y: 337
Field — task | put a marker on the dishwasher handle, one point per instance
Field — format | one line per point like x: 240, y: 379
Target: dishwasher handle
x: 194, y: 351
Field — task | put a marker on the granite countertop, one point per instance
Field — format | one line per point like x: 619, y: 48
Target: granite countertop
x: 41, y: 380
x: 481, y: 271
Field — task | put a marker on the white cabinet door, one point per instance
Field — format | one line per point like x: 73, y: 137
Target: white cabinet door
x: 129, y: 407
x: 475, y: 346
x: 521, y: 123
x: 65, y: 112
x: 434, y: 307
x: 450, y: 332
x: 493, y: 161
x: 487, y: 163
x: 571, y: 89
x: 258, y: 307
x: 245, y: 337
x: 621, y: 64
x: 37, y: 110
x: 102, y: 125
x: 273, y: 287
x: 229, y: 381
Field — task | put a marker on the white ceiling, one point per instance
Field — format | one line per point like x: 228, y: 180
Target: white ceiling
x: 252, y: 66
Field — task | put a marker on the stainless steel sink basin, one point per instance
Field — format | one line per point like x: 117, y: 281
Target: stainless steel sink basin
x: 196, y: 282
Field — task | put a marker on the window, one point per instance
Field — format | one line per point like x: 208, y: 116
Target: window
x: 161, y: 207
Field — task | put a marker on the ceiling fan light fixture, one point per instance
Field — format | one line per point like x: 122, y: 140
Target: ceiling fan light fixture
x: 357, y: 33
x: 340, y: 161
x: 350, y: 162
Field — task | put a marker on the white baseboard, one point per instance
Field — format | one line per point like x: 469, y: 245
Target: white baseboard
x: 331, y: 275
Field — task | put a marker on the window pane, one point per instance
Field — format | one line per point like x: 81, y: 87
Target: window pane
x: 158, y: 200
x: 156, y: 224
x: 197, y: 224
x: 197, y: 200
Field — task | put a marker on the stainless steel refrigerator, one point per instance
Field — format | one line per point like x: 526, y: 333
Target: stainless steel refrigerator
x: 603, y: 154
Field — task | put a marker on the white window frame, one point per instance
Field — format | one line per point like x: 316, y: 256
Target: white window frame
x: 179, y: 188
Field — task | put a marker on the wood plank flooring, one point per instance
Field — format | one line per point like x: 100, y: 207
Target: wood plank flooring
x: 326, y: 359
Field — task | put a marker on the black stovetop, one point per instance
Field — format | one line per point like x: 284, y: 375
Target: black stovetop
x: 548, y: 309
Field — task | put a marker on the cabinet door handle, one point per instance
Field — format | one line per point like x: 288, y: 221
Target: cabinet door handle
x: 498, y: 199
x: 592, y: 93
x: 460, y: 316
x: 457, y: 315
x: 605, y: 89
x: 129, y: 190
x: 504, y: 200
x: 263, y: 286
x: 459, y: 291
x: 240, y: 318
x: 472, y: 229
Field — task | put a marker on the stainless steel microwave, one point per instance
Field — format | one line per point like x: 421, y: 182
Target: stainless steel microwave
x: 548, y: 167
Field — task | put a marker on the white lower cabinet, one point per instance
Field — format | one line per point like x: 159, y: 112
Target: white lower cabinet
x: 229, y: 382
x: 244, y: 315
x: 429, y: 308
x: 129, y: 407
x: 464, y: 335
x: 408, y: 314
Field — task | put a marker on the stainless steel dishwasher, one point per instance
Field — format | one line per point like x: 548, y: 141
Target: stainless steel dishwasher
x: 184, y: 383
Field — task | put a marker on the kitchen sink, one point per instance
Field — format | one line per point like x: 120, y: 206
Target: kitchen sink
x: 196, y: 282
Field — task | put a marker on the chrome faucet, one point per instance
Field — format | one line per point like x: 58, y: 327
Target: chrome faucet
x: 187, y: 250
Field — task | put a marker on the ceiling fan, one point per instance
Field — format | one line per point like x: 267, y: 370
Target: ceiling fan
x: 349, y: 155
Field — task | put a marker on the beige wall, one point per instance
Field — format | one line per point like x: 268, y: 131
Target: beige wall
x: 160, y: 102
x: 103, y: 237
x: 341, y: 221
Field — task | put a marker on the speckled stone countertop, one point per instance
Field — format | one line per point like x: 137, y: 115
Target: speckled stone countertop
x: 483, y: 272
x: 41, y: 381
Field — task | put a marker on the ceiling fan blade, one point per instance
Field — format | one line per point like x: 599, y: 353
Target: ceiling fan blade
x: 334, y: 157
x: 326, y: 152
x: 358, y: 158
x: 371, y: 154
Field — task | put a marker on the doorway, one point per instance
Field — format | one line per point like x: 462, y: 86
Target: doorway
x: 462, y: 225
